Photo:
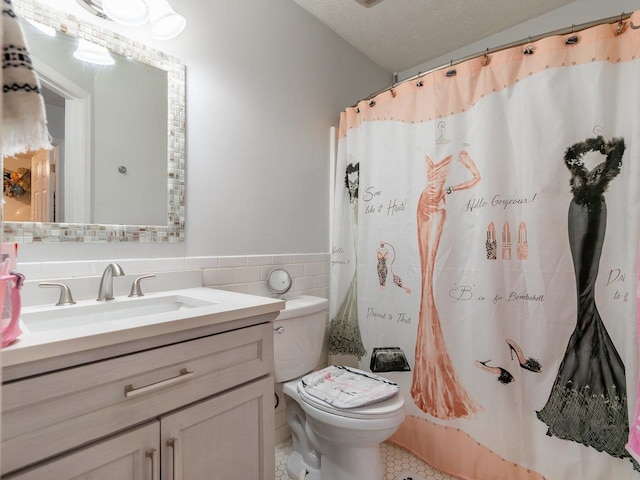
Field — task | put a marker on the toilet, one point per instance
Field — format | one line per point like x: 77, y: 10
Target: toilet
x: 329, y: 443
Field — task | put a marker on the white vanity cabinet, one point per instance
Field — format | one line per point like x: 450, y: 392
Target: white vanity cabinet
x: 133, y: 455
x: 200, y: 408
x: 223, y: 437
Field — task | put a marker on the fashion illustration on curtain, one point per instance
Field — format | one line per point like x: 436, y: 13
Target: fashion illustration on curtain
x: 382, y: 256
x: 588, y: 400
x: 344, y: 330
x: 435, y: 388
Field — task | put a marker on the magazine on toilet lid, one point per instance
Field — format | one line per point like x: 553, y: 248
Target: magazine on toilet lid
x: 346, y: 387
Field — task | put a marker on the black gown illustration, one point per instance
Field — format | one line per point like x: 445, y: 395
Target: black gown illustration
x: 588, y: 400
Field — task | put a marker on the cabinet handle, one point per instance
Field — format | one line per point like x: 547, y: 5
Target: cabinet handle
x: 129, y: 391
x: 151, y: 454
x: 172, y: 444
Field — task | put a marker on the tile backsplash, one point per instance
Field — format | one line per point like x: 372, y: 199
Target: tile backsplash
x: 242, y: 273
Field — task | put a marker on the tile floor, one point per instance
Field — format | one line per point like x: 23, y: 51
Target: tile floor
x: 398, y: 464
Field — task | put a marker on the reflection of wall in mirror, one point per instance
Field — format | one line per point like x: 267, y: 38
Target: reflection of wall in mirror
x: 129, y: 105
x: 130, y: 130
x: 56, y: 123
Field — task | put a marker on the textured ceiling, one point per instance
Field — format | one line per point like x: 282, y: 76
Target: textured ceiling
x: 401, y: 34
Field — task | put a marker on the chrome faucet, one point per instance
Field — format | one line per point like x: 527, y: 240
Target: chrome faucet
x: 65, y: 293
x: 105, y: 292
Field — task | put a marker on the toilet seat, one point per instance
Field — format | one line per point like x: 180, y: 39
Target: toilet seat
x: 383, y: 409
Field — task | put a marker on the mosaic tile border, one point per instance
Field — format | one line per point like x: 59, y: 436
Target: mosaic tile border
x: 28, y: 232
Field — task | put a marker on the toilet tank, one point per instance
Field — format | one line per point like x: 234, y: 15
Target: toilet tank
x: 298, y: 336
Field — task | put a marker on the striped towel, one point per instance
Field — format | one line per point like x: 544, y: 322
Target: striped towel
x: 23, y: 115
x: 346, y: 387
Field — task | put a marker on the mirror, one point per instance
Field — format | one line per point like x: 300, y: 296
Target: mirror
x: 279, y: 281
x: 119, y: 132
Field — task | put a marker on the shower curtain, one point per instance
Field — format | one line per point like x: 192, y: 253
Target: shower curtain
x: 493, y: 207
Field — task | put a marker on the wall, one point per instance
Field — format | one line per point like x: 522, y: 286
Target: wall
x: 126, y: 109
x: 580, y: 11
x: 265, y: 81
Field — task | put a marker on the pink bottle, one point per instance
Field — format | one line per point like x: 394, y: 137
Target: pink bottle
x: 10, y: 284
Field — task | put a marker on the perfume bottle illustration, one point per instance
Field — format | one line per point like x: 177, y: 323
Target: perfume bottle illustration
x: 523, y: 246
x: 382, y: 268
x: 382, y: 255
x: 491, y: 242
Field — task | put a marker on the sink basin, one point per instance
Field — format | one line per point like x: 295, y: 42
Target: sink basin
x: 92, y: 312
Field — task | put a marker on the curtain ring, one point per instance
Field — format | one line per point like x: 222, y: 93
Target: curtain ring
x: 486, y: 60
x: 621, y: 24
x: 419, y: 83
x: 528, y: 49
x: 573, y: 39
x: 452, y: 71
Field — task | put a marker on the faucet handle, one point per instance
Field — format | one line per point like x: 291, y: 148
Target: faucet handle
x: 135, y: 286
x: 65, y: 293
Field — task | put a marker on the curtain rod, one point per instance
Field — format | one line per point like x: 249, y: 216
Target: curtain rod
x: 517, y: 43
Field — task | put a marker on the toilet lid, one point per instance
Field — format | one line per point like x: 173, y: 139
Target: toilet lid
x: 375, y: 410
x: 347, y: 387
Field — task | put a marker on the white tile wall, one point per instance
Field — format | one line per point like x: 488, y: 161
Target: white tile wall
x: 247, y: 274
x: 218, y: 276
x: 201, y: 262
x: 309, y: 272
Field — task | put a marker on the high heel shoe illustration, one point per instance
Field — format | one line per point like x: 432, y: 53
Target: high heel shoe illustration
x: 504, y: 376
x: 531, y: 364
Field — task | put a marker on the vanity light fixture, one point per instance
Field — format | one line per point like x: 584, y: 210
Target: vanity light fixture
x: 92, y: 53
x: 165, y: 22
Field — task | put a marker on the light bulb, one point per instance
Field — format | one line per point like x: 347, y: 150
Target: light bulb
x: 92, y: 53
x: 126, y: 12
x: 165, y: 22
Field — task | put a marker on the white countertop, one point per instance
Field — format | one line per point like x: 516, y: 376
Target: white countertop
x: 225, y: 307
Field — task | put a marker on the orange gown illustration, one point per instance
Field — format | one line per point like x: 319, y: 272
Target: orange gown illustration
x: 436, y: 389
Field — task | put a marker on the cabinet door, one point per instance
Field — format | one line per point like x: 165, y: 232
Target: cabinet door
x: 134, y: 455
x: 227, y: 437
x: 101, y: 398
